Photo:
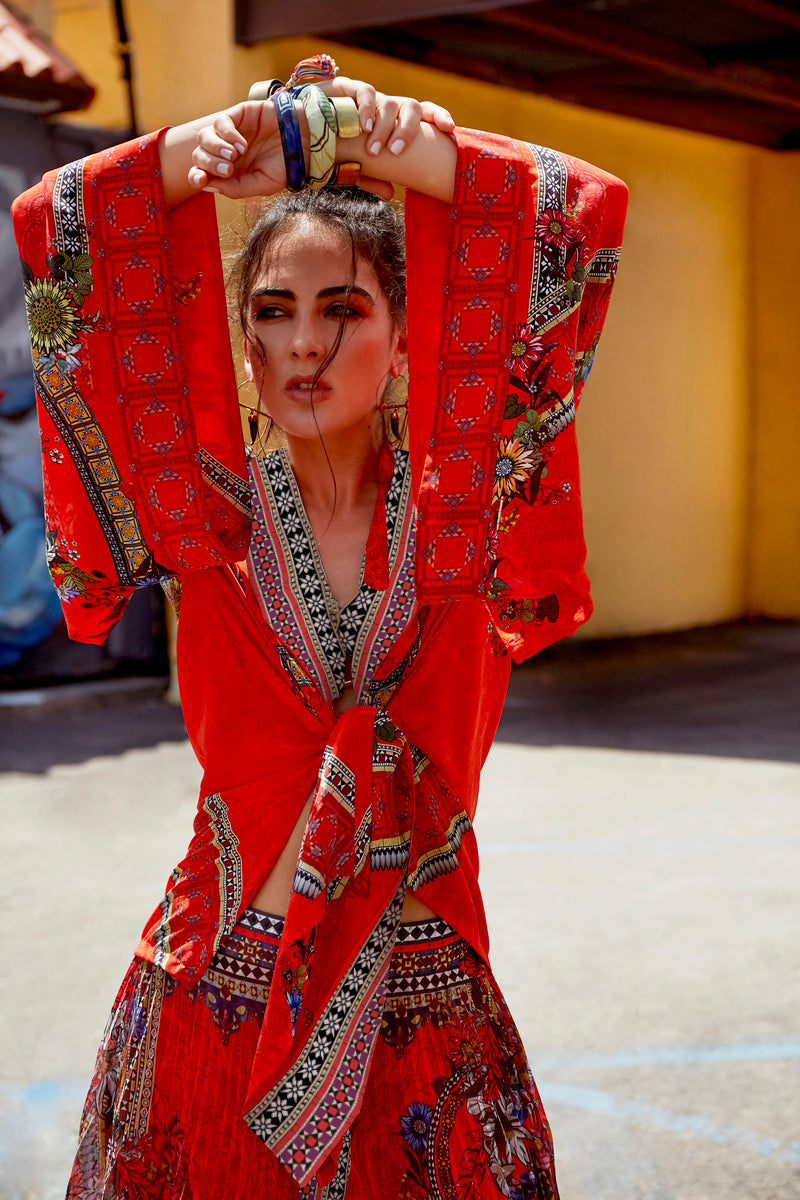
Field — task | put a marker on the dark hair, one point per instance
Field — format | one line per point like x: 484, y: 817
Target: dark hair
x: 374, y: 232
x: 370, y: 225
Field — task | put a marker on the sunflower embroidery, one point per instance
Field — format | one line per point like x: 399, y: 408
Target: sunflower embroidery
x: 515, y: 461
x: 554, y: 227
x: 52, y: 316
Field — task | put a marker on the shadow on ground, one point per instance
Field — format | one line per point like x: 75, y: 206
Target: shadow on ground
x: 731, y: 690
x: 34, y: 739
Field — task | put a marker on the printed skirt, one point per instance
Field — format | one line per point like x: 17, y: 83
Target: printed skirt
x: 450, y: 1112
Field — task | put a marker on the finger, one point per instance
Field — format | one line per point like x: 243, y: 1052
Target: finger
x: 385, y: 119
x: 434, y: 114
x: 364, y: 95
x: 406, y: 127
x: 211, y: 164
x: 366, y: 103
x: 202, y: 182
x: 219, y: 147
x: 198, y: 179
x: 226, y: 130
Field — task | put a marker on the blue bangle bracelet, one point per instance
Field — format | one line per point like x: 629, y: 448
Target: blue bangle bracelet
x: 293, y: 157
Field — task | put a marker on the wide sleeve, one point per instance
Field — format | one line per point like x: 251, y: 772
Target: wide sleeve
x: 143, y: 461
x: 508, y: 289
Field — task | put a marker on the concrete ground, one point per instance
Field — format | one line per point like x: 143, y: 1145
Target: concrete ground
x: 639, y: 840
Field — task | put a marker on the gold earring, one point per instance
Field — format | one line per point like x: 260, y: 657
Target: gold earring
x: 395, y: 402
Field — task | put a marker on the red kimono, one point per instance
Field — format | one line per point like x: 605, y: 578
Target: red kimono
x: 480, y: 561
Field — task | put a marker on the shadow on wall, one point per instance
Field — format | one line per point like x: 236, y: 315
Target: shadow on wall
x: 730, y: 690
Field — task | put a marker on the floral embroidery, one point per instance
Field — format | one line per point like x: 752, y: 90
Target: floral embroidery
x: 554, y: 226
x: 53, y: 318
x: 188, y: 290
x: 295, y: 973
x: 488, y: 1095
x: 546, y: 608
x: 507, y: 519
x: 526, y: 349
x: 75, y: 272
x: 72, y: 582
x: 415, y: 1125
x: 515, y: 464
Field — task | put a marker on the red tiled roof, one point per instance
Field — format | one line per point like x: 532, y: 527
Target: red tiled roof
x: 31, y: 68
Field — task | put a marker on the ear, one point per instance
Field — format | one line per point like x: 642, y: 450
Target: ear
x: 399, y: 362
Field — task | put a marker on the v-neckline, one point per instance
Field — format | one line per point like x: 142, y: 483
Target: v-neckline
x: 316, y: 554
x: 292, y: 586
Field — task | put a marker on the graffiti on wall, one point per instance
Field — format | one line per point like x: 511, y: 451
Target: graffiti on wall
x: 29, y: 608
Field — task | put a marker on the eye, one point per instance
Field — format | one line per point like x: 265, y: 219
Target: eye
x: 268, y: 312
x: 340, y: 311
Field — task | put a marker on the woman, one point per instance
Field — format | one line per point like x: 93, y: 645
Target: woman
x: 310, y: 1011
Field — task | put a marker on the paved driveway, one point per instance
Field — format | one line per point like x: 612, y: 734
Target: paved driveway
x: 639, y: 843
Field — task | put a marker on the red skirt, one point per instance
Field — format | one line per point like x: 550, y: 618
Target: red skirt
x: 450, y: 1112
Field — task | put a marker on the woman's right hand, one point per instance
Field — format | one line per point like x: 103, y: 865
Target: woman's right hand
x: 239, y: 152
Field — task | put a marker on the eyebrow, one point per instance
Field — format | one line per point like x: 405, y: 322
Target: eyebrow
x: 324, y: 294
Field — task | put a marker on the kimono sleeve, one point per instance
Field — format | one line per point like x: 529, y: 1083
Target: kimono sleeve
x: 508, y: 289
x: 143, y: 459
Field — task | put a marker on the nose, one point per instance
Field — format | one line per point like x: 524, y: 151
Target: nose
x: 307, y: 339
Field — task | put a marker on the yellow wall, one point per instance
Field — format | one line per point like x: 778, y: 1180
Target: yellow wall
x: 774, y: 576
x: 680, y: 508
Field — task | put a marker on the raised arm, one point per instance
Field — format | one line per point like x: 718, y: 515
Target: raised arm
x: 238, y: 152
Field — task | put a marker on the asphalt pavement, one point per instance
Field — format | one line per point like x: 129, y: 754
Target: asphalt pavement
x: 639, y: 835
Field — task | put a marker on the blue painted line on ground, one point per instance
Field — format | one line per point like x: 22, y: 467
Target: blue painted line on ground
x: 668, y: 1056
x: 43, y: 1091
x: 723, y: 1134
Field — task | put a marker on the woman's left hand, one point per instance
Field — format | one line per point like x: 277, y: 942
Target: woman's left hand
x: 389, y: 122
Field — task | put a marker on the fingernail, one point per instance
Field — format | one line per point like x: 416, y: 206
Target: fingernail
x: 196, y: 176
x: 224, y: 168
x: 374, y: 148
x: 214, y: 190
x: 397, y: 146
x: 240, y: 146
x: 368, y: 124
x: 226, y: 152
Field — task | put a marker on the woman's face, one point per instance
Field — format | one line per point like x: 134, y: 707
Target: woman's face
x: 296, y: 308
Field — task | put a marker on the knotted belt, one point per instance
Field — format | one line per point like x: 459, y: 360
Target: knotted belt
x: 326, y: 1002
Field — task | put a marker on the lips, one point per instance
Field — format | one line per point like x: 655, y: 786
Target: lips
x: 302, y: 388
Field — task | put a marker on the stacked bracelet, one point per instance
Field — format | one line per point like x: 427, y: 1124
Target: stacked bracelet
x: 328, y: 118
x: 291, y: 141
x: 348, y: 124
x: 321, y: 117
x: 265, y: 89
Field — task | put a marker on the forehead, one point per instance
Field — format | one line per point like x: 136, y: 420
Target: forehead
x: 310, y: 251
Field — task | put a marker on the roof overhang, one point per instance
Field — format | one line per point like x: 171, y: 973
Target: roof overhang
x: 34, y: 75
x: 725, y: 67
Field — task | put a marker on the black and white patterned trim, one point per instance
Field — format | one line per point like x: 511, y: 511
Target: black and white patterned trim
x: 335, y: 634
x: 548, y: 264
x: 70, y: 226
x: 260, y: 922
x: 411, y: 932
x: 225, y: 481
